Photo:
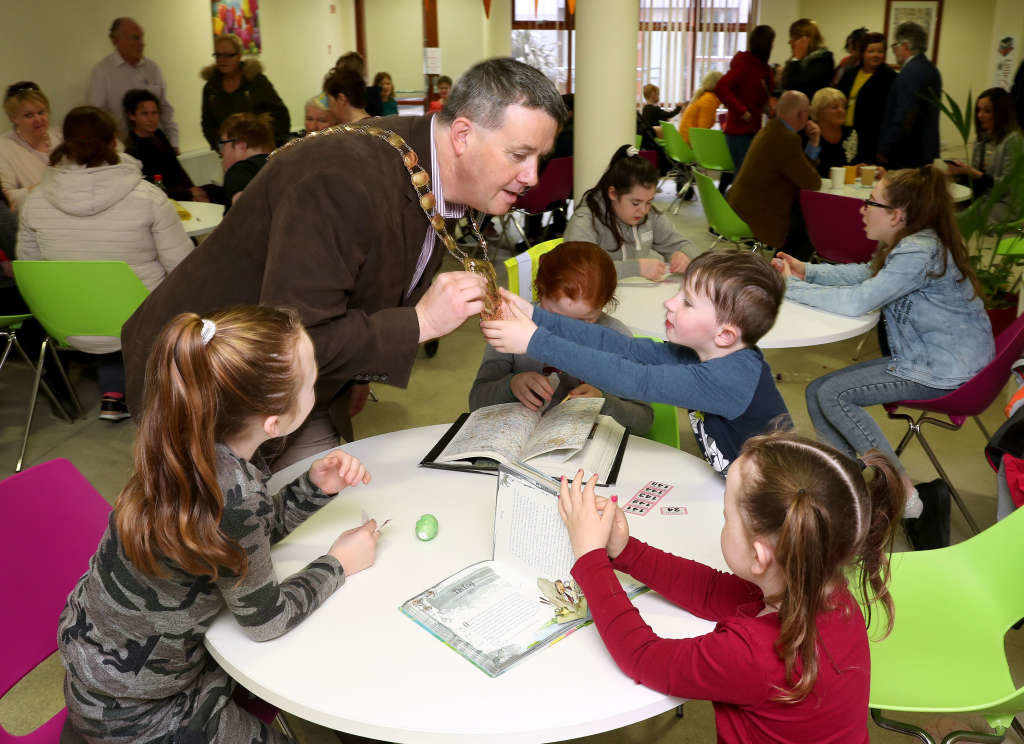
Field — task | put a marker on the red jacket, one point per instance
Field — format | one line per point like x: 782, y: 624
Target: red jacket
x: 745, y: 88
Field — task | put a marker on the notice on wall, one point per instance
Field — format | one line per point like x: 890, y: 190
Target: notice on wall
x: 1005, y: 62
x: 432, y: 60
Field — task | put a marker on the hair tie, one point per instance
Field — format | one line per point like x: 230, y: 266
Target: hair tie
x: 209, y: 328
x: 632, y: 152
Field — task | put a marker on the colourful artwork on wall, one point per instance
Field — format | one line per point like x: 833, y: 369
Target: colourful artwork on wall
x: 239, y: 17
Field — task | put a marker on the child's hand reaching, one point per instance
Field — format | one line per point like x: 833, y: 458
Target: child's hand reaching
x: 512, y: 335
x: 788, y: 266
x: 678, y: 263
x: 356, y: 548
x: 336, y: 471
x: 588, y: 528
x: 585, y: 391
x: 513, y: 300
x: 652, y: 268
x: 532, y: 389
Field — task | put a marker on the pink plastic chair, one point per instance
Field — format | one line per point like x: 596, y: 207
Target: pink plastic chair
x: 554, y: 185
x: 970, y: 399
x: 835, y: 227
x: 51, y: 520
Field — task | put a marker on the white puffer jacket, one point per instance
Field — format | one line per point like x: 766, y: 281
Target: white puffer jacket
x: 106, y: 213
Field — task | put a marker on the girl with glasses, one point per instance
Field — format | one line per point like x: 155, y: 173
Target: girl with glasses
x: 937, y: 332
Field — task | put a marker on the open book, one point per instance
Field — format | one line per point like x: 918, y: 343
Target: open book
x: 497, y: 612
x: 558, y: 441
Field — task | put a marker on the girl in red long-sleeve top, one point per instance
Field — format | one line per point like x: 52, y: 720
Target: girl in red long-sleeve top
x: 788, y: 660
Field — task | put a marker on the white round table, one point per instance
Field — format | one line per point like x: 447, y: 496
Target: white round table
x: 359, y: 665
x: 205, y: 217
x: 959, y: 192
x: 641, y: 307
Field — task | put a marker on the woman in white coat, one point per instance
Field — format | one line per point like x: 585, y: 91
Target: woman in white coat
x: 93, y: 205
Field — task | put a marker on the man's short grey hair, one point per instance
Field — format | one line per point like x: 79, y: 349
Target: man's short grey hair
x: 914, y: 35
x: 483, y: 92
x: 790, y: 102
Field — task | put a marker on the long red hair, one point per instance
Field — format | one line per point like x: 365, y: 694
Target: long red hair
x: 197, y: 394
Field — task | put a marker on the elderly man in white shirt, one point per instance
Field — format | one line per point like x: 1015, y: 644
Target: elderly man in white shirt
x: 126, y: 69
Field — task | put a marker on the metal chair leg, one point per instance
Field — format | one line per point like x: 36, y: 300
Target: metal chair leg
x: 42, y: 383
x: 679, y: 711
x: 32, y: 405
x: 984, y: 431
x: 522, y: 234
x: 64, y: 376
x: 949, y: 484
x: 900, y: 727
x: 860, y: 346
x: 1016, y: 725
x: 953, y: 737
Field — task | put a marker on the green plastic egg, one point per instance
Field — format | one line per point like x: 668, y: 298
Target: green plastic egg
x: 426, y: 527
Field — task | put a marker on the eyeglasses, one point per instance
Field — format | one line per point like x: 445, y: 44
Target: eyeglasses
x: 225, y: 55
x: 896, y: 44
x: 225, y: 142
x: 869, y: 203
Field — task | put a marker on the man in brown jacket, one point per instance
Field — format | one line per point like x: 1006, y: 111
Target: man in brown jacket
x: 333, y: 227
x: 766, y: 191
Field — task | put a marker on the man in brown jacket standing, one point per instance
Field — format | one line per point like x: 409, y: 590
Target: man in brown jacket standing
x: 334, y: 227
x: 766, y: 191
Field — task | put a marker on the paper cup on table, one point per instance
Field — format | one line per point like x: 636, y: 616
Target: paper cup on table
x: 838, y: 176
x: 867, y: 176
x: 851, y: 174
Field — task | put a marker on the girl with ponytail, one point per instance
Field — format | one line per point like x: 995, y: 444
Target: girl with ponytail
x: 788, y: 660
x: 935, y: 333
x: 618, y: 215
x: 191, y: 533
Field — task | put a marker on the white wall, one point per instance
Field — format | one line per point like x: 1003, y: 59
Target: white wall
x: 56, y: 44
x: 394, y: 41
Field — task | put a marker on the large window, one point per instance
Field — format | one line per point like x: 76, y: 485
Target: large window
x: 679, y: 41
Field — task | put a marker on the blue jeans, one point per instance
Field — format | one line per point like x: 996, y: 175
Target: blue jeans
x: 836, y: 405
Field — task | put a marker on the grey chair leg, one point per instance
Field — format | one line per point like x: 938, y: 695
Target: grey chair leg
x: 679, y: 711
x: 949, y: 484
x: 42, y: 383
x: 79, y: 411
x: 954, y: 737
x: 519, y: 230
x: 900, y: 727
x: 1018, y: 728
x: 35, y: 396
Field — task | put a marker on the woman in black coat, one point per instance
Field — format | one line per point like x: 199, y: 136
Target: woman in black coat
x: 866, y: 88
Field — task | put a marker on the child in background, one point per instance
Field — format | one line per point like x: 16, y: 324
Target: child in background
x: 654, y: 114
x: 388, y: 104
x: 702, y: 108
x: 617, y: 215
x: 444, y: 87
x: 191, y: 533
x: 576, y: 280
x: 245, y: 142
x: 788, y: 660
x: 921, y: 279
x: 711, y: 365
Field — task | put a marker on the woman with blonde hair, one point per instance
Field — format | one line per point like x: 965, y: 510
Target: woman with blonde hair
x: 238, y: 86
x: 25, y: 150
x: 700, y: 112
x: 318, y: 114
x: 838, y: 143
x: 811, y: 67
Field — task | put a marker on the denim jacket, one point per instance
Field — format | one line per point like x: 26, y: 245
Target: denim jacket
x: 938, y: 331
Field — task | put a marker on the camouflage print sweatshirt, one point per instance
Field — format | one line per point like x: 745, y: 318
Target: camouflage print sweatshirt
x: 125, y: 633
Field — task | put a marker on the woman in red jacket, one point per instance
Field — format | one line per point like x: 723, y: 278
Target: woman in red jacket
x: 745, y: 90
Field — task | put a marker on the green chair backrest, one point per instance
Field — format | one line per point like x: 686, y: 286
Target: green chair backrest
x: 953, y: 607
x: 79, y: 298
x: 1013, y: 245
x: 12, y: 322
x: 665, y: 428
x: 639, y: 141
x: 676, y: 146
x: 720, y: 215
x: 522, y: 269
x: 710, y: 148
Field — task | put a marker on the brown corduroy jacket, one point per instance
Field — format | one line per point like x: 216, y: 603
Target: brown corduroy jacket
x: 769, y: 182
x: 332, y: 227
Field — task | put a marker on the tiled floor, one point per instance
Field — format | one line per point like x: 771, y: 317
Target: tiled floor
x: 103, y: 453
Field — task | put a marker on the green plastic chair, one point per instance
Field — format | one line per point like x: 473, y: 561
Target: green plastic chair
x: 721, y: 217
x: 517, y: 267
x: 682, y: 158
x: 639, y: 141
x: 710, y: 148
x: 946, y: 655
x: 665, y: 427
x: 75, y: 302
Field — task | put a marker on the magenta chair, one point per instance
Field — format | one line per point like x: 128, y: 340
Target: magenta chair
x: 553, y: 186
x: 970, y: 399
x: 835, y: 227
x: 52, y: 520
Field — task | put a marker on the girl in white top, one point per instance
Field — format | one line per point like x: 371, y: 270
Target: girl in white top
x: 617, y: 215
x: 25, y: 150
